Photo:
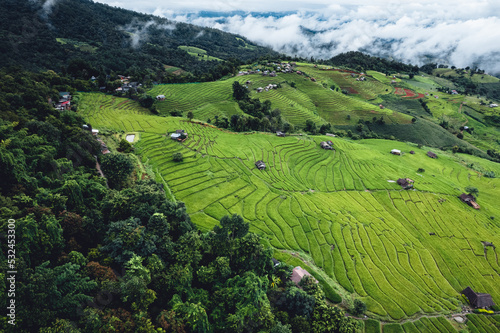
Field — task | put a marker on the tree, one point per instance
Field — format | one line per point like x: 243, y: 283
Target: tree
x: 239, y: 91
x: 472, y: 190
x: 125, y: 146
x: 359, y: 307
x: 117, y: 168
x: 190, y: 115
x: 49, y: 293
x: 177, y: 157
x: 146, y: 101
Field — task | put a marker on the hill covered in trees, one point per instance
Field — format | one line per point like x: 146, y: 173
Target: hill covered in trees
x: 50, y: 34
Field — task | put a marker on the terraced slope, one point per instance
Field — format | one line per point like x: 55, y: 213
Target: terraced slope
x: 403, y: 252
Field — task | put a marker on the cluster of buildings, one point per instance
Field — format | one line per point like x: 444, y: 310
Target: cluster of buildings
x: 267, y: 88
x: 126, y: 85
x: 64, y: 101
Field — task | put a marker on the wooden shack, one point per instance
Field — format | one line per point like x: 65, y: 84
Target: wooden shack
x: 431, y: 154
x: 469, y: 199
x: 260, y: 165
x: 478, y: 300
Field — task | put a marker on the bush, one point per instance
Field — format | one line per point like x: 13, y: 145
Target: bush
x: 420, y: 170
x: 358, y: 308
x: 177, y: 157
x: 125, y: 146
x: 489, y: 174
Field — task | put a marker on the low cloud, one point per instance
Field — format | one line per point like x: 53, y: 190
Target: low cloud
x: 139, y: 33
x: 455, y: 33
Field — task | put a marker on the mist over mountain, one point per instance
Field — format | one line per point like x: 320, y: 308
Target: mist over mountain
x: 450, y: 33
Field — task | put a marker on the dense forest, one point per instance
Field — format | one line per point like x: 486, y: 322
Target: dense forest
x: 50, y: 34
x: 115, y: 255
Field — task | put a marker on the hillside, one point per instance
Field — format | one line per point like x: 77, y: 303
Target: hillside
x: 415, y: 110
x: 50, y: 34
x: 339, y: 210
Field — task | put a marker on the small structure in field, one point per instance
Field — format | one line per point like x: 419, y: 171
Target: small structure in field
x: 313, y: 79
x: 325, y: 145
x: 406, y: 183
x: 431, y: 154
x: 478, y: 300
x: 396, y: 152
x: 412, y: 152
x: 260, y: 165
x: 179, y: 135
x: 469, y: 199
x: 160, y: 97
x: 298, y: 273
x: 259, y: 89
x: 280, y: 134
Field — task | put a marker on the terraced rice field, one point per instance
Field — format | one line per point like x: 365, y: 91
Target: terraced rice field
x: 482, y: 323
x: 338, y: 207
x: 307, y: 101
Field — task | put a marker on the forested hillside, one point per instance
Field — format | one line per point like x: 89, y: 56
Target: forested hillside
x: 81, y: 253
x: 50, y: 34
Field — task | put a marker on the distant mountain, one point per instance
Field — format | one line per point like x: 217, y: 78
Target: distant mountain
x: 49, y: 34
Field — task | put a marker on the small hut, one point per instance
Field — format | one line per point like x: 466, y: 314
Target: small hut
x: 396, y: 152
x: 325, y: 145
x: 478, y: 300
x: 260, y: 165
x: 280, y: 134
x: 431, y: 154
x: 406, y: 183
x: 298, y: 273
x: 412, y: 152
x: 469, y: 199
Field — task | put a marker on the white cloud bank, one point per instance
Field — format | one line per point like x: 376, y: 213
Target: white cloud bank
x: 461, y: 33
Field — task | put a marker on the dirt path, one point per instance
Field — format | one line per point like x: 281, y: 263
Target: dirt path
x: 98, y: 167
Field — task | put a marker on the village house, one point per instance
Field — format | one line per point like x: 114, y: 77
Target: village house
x: 160, y: 97
x: 260, y: 165
x: 431, y: 154
x: 469, y: 199
x: 493, y: 105
x: 280, y: 134
x: 272, y: 74
x: 325, y: 145
x: 64, y: 102
x: 313, y: 79
x: 396, y: 152
x: 298, y: 274
x: 179, y: 135
x: 406, y: 183
x: 478, y: 300
x: 259, y: 89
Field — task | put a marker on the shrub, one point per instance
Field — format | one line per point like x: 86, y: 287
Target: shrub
x: 177, y: 157
x: 359, y: 307
x: 420, y: 170
x: 489, y: 174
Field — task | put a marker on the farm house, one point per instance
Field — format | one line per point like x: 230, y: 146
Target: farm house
x: 396, y: 152
x: 179, y: 135
x: 470, y: 200
x: 280, y: 134
x: 406, y: 183
x: 299, y: 273
x: 260, y: 165
x: 325, y: 145
x: 478, y: 300
x: 431, y: 154
x: 160, y: 97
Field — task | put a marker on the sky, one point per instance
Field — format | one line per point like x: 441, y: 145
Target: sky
x: 461, y: 33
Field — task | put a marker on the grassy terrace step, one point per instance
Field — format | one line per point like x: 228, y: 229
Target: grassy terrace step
x: 336, y: 207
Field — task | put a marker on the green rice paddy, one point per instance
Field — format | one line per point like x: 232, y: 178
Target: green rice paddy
x: 404, y: 253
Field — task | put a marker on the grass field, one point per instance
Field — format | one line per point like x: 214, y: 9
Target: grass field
x: 337, y: 207
x: 200, y: 54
